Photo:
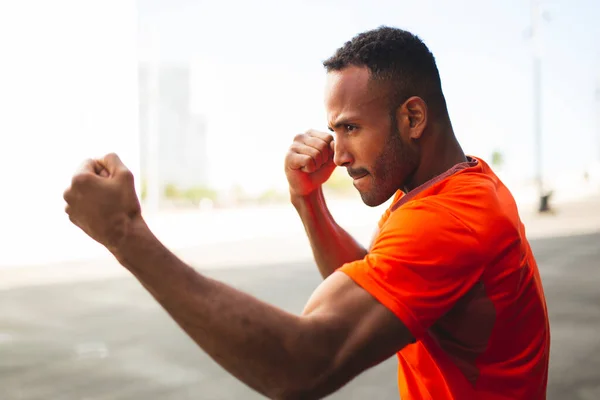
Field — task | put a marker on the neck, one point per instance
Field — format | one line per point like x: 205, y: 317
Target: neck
x: 440, y: 152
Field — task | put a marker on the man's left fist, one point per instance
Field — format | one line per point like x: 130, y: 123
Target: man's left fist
x: 102, y: 201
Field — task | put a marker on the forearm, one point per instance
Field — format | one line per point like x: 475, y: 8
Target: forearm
x: 268, y: 349
x: 331, y: 245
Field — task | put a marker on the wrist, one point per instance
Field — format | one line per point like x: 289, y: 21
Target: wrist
x: 135, y: 232
x: 313, y: 198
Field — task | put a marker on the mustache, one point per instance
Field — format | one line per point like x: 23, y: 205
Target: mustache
x: 357, y: 172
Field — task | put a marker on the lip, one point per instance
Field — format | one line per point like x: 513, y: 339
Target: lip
x: 357, y: 178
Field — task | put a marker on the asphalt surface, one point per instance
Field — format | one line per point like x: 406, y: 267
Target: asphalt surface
x: 109, y: 339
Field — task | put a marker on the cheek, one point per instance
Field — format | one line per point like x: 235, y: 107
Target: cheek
x: 394, y: 158
x: 369, y: 150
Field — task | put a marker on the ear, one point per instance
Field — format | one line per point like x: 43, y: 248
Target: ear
x: 411, y: 117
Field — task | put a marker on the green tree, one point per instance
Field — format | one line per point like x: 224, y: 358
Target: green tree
x: 497, y: 159
x: 198, y: 193
x: 272, y: 196
x: 144, y: 190
x: 171, y: 191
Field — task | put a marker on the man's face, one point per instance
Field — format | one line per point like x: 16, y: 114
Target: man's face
x: 368, y: 140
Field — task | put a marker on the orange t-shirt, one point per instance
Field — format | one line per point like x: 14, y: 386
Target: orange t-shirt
x: 451, y: 260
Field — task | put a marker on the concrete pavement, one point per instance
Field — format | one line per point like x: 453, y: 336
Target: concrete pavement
x: 109, y: 340
x: 54, y: 240
x: 243, y: 237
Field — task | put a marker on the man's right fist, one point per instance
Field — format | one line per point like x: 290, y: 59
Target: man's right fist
x: 309, y: 162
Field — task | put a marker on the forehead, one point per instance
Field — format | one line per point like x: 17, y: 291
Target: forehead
x: 352, y: 91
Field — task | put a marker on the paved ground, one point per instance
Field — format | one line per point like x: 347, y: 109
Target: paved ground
x: 107, y: 339
x: 261, y: 236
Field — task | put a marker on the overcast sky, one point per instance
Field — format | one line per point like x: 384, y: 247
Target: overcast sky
x: 260, y: 73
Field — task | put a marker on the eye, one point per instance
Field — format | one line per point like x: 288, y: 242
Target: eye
x: 350, y: 128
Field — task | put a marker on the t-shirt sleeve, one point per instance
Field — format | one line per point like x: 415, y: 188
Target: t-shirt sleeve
x: 422, y: 262
x: 384, y: 217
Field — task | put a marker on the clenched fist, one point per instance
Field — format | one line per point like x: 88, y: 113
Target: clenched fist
x: 102, y: 200
x: 309, y: 162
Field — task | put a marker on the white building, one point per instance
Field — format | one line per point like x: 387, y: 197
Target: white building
x: 180, y: 156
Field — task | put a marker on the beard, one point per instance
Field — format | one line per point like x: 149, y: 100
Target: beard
x: 393, y: 170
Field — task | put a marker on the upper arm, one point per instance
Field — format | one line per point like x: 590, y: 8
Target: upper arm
x: 355, y: 330
x: 421, y: 263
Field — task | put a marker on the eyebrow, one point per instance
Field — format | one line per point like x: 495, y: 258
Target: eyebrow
x: 341, y: 122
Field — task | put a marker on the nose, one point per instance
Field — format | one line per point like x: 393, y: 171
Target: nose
x: 341, y: 155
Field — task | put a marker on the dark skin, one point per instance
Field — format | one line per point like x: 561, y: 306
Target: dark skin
x: 343, y: 330
x: 401, y: 152
x: 396, y: 153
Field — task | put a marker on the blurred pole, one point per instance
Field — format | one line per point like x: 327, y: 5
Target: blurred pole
x: 537, y: 104
x: 152, y: 156
x: 598, y: 114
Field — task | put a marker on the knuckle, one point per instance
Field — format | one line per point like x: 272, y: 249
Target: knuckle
x: 317, y: 134
x: 289, y: 156
x: 79, y: 180
x: 314, y: 153
x: 126, y: 176
x: 320, y: 145
x: 299, y: 137
x: 86, y: 165
x: 307, y: 158
x: 303, y: 160
x: 296, y: 147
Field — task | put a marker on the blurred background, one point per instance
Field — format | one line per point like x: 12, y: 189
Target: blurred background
x: 201, y: 100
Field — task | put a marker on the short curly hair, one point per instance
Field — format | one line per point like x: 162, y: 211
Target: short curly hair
x: 397, y: 57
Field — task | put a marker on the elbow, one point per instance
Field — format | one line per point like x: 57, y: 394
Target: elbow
x: 321, y: 384
x: 304, y: 393
x: 319, y: 369
x: 296, y: 394
x: 297, y: 387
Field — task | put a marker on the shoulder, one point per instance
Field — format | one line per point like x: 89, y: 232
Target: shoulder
x: 427, y: 229
x: 470, y: 209
x: 466, y: 189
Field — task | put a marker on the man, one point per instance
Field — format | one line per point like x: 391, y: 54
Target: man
x: 449, y: 284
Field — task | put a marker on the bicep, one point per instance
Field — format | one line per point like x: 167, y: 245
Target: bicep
x: 362, y: 332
